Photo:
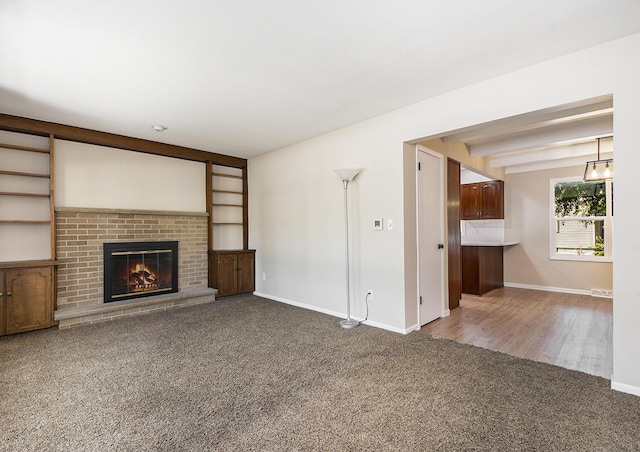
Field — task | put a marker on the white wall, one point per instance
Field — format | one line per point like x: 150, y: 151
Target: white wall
x: 295, y: 199
x: 527, y: 213
x: 102, y: 177
x: 297, y: 224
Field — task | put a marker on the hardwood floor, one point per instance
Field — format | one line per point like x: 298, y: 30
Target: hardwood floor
x: 571, y: 331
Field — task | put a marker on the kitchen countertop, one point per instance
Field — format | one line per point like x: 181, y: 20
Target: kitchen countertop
x: 478, y: 243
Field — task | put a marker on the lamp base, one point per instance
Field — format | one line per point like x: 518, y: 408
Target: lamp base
x: 347, y: 324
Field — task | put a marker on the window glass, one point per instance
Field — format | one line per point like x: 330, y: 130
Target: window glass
x: 580, y: 199
x: 580, y: 237
x: 582, y: 219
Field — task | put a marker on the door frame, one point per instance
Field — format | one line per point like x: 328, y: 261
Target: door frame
x: 444, y: 307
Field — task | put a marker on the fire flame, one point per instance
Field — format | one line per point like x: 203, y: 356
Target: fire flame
x: 143, y: 278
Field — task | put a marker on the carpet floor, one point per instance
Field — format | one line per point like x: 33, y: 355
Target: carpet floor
x: 245, y: 373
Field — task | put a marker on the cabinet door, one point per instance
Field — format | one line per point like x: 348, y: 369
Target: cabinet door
x: 2, y: 303
x: 29, y: 304
x: 491, y: 265
x: 469, y: 202
x: 471, y: 270
x: 492, y: 205
x: 246, y: 279
x: 227, y: 281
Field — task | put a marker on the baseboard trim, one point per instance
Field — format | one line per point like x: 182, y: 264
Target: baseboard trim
x: 548, y: 288
x: 340, y: 315
x: 634, y: 390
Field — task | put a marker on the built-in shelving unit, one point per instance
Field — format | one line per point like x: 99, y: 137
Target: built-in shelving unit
x: 26, y: 197
x: 27, y: 233
x: 228, y: 201
x: 231, y: 263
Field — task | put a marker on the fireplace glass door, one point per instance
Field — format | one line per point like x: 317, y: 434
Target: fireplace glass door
x: 139, y: 269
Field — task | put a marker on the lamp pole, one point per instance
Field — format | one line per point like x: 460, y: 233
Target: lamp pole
x: 346, y: 175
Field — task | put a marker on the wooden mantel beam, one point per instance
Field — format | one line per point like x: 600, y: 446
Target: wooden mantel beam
x: 71, y: 133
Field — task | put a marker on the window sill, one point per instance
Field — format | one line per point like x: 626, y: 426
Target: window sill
x: 569, y: 257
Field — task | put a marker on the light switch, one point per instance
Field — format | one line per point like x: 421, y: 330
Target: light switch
x: 389, y: 225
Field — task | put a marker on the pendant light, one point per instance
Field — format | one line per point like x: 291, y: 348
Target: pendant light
x: 598, y: 170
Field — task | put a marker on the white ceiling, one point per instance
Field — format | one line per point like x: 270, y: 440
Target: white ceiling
x: 244, y: 77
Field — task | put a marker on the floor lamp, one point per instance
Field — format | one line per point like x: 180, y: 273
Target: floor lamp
x: 346, y: 176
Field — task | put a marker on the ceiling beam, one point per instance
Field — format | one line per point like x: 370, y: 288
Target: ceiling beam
x: 589, y: 148
x: 71, y: 133
x: 557, y: 134
x: 551, y: 164
x: 487, y: 131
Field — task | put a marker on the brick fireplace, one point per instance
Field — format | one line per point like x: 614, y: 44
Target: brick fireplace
x: 81, y: 235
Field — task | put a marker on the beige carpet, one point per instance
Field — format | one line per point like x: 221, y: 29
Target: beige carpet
x: 246, y: 373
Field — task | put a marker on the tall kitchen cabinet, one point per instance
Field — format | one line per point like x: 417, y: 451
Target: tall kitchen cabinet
x: 27, y: 233
x: 231, y: 263
x: 482, y: 200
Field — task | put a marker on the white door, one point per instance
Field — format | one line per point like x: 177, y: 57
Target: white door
x: 430, y: 235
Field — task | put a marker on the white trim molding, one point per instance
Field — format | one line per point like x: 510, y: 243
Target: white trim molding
x: 548, y: 288
x: 634, y: 390
x: 340, y: 315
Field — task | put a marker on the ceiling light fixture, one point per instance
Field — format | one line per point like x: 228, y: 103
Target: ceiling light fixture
x: 597, y: 170
x: 159, y: 128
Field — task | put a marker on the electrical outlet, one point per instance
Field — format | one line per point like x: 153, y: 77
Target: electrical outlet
x: 370, y: 295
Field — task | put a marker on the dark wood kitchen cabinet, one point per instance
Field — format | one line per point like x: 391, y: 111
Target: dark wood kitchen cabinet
x: 27, y: 296
x: 482, y: 269
x: 232, y: 272
x: 482, y: 200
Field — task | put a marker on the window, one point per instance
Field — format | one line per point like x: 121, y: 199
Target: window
x: 582, y: 220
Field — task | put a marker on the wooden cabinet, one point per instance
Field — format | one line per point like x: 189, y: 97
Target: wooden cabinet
x: 482, y: 269
x: 27, y: 296
x: 482, y: 200
x: 232, y: 272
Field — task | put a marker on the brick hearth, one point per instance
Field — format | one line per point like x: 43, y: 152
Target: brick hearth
x: 80, y: 236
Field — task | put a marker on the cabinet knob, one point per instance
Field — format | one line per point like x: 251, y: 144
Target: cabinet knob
x: 8, y: 294
x: 1, y: 294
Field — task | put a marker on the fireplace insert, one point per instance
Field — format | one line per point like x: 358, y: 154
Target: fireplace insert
x: 139, y: 269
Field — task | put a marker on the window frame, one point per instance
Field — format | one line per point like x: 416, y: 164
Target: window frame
x: 607, y: 219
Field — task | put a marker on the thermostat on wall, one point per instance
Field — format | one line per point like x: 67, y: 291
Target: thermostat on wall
x: 377, y: 224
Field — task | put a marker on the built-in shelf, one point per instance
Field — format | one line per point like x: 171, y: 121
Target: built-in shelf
x: 25, y: 160
x: 230, y: 176
x: 15, y: 193
x: 228, y: 191
x: 24, y: 221
x: 227, y: 201
x: 24, y: 148
x: 227, y: 205
x: 19, y: 173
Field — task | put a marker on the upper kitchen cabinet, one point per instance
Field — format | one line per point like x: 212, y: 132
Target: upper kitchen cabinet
x: 482, y: 200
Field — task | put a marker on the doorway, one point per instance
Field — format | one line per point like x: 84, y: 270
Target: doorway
x: 431, y: 283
